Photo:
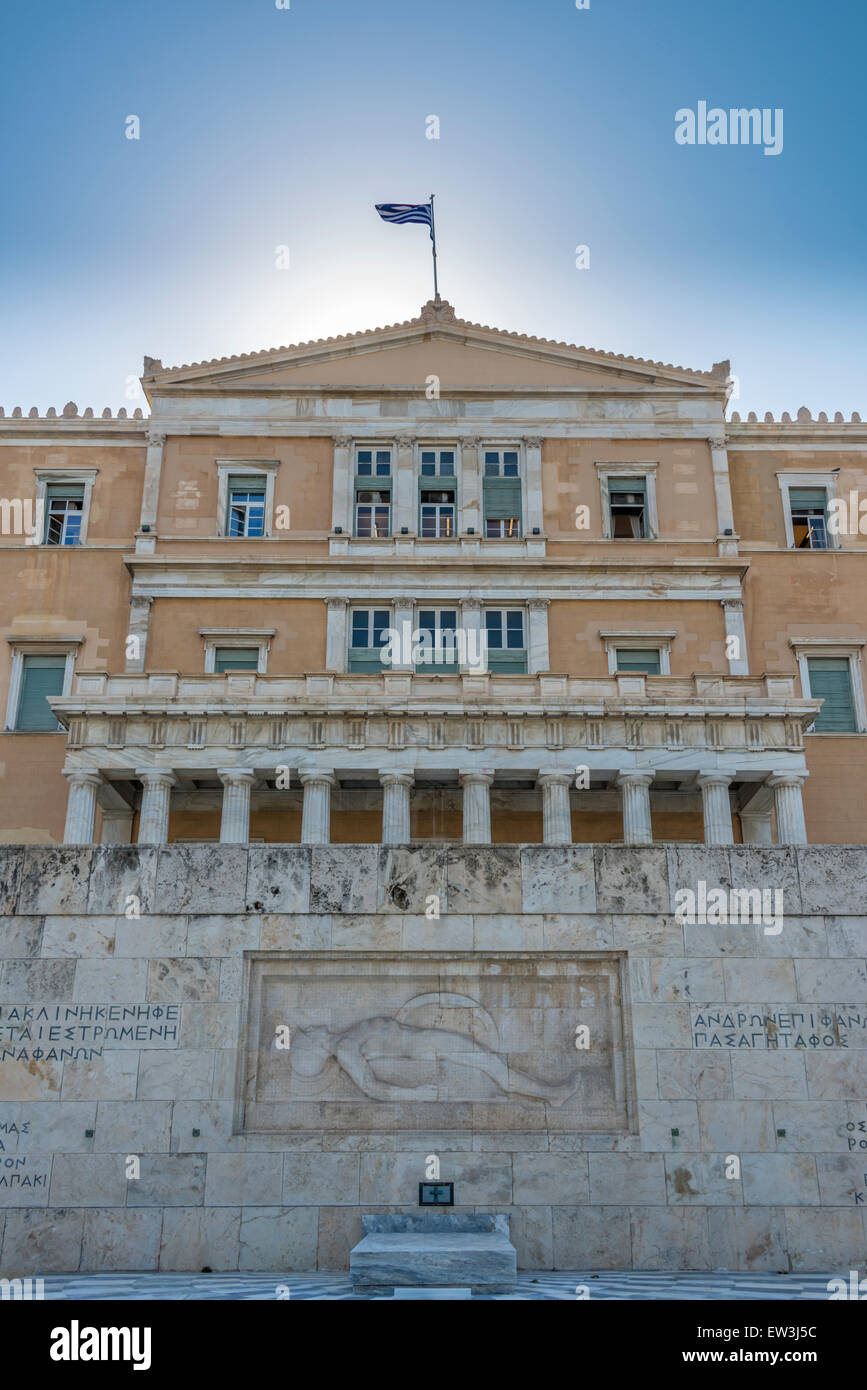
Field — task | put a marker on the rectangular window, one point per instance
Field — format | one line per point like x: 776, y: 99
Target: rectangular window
x: 507, y: 654
x: 373, y: 463
x: 236, y: 659
x: 437, y: 463
x: 501, y: 463
x: 638, y: 659
x: 627, y: 500
x: 246, y: 509
x: 372, y: 513
x: 370, y: 627
x: 41, y: 676
x: 809, y: 508
x: 437, y: 514
x: 64, y: 513
x: 830, y: 680
x: 501, y: 487
x: 437, y: 629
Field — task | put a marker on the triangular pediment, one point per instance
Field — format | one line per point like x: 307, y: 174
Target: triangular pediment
x: 461, y: 355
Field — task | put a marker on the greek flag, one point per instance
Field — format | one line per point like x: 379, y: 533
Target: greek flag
x: 406, y: 212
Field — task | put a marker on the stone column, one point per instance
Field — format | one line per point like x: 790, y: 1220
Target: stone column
x: 396, y: 790
x: 533, y: 456
x: 116, y: 826
x: 635, y: 802
x: 477, y: 806
x: 789, y: 806
x: 537, y: 637
x: 81, y: 806
x: 405, y: 509
x: 556, y: 813
x: 717, y: 807
x: 139, y: 622
x: 475, y: 638
x: 316, y: 814
x: 335, y: 637
x: 235, y: 821
x: 470, y: 483
x: 733, y: 608
x: 341, y: 488
x: 153, y: 821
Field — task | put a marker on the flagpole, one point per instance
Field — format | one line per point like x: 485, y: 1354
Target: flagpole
x: 433, y: 232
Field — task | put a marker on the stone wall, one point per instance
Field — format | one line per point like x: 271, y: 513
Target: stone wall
x: 716, y: 1118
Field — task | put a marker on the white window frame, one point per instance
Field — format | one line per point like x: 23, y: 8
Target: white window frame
x: 382, y: 445
x: 787, y: 481
x: 51, y: 477
x: 850, y: 648
x: 647, y: 471
x: 236, y: 637
x: 505, y: 608
x: 437, y: 608
x: 513, y: 446
x: 638, y: 641
x: 439, y: 448
x: 368, y: 608
x: 253, y: 468
x: 438, y: 517
x: 37, y: 646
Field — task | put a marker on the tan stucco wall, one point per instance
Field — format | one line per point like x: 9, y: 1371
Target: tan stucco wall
x: 684, y: 491
x: 190, y: 480
x: 115, y: 502
x: 575, y: 647
x: 174, y: 643
x: 758, y: 500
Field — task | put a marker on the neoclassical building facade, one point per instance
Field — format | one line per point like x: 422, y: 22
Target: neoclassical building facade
x: 432, y: 582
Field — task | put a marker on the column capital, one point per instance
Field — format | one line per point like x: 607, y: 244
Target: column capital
x: 554, y: 776
x: 470, y: 441
x: 156, y: 776
x: 714, y: 779
x: 336, y: 603
x: 471, y: 605
x: 634, y: 777
x: 316, y: 774
x: 716, y: 443
x: 406, y: 441
x: 533, y: 441
x: 732, y: 605
x: 155, y: 439
x: 236, y: 776
x: 538, y: 605
x: 342, y: 441
x: 482, y: 776
x: 397, y: 777
x: 82, y: 777
x: 786, y: 779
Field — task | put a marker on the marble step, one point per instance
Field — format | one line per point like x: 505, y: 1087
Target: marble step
x: 415, y: 1258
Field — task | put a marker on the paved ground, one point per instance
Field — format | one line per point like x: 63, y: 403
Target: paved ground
x: 558, y: 1287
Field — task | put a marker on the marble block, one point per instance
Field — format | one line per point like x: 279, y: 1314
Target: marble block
x: 434, y: 1251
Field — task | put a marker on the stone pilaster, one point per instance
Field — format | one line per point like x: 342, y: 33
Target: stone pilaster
x: 537, y: 636
x: 470, y: 496
x: 533, y: 459
x: 341, y: 491
x: 733, y: 608
x: 336, y: 635
x: 405, y: 509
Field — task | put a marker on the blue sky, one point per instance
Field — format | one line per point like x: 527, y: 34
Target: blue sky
x: 265, y: 127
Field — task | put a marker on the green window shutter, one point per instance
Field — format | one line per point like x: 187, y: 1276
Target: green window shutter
x: 807, y: 498
x: 42, y: 676
x: 635, y: 659
x: 829, y: 681
x: 236, y: 659
x: 618, y: 484
x: 502, y: 498
x: 250, y: 482
x: 71, y: 490
x: 507, y: 663
x: 366, y: 661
